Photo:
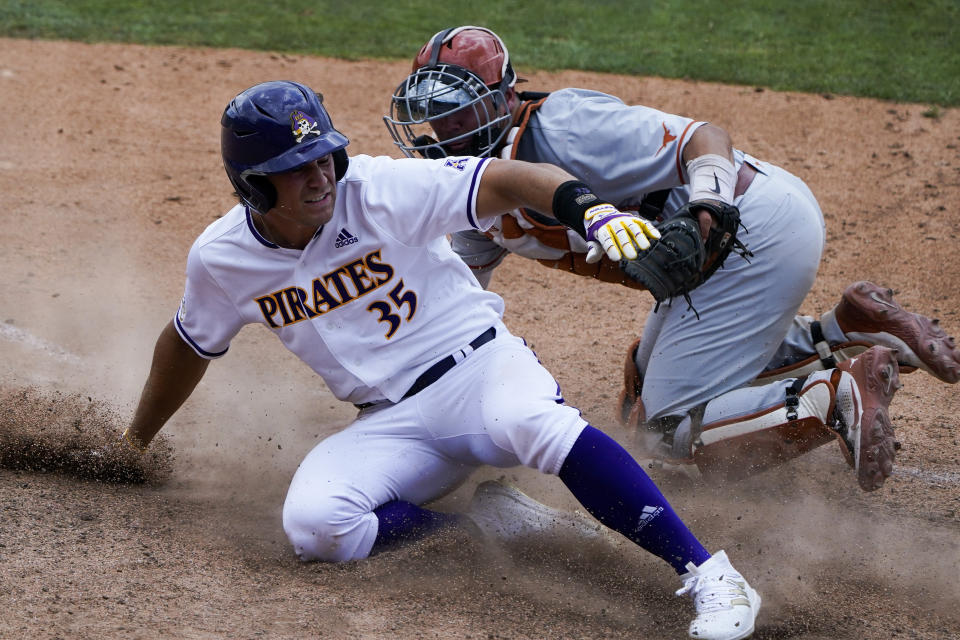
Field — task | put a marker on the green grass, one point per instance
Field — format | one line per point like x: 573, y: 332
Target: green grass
x: 901, y: 50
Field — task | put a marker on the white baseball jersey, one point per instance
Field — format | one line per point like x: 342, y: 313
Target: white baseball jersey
x: 374, y: 299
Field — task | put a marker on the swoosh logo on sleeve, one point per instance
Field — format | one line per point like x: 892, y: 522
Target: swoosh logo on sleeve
x: 716, y: 184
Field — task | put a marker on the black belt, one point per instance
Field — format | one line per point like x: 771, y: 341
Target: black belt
x: 435, y: 372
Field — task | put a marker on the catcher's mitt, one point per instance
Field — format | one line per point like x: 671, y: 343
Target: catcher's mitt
x: 680, y: 260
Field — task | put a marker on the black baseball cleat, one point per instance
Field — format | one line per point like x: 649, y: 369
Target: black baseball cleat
x: 869, y: 313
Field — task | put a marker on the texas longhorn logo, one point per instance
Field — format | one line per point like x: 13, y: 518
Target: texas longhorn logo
x: 303, y: 125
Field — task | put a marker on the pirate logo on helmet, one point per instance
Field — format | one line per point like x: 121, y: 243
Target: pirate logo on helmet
x: 303, y: 125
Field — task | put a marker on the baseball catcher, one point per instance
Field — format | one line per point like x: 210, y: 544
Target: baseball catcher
x: 731, y: 380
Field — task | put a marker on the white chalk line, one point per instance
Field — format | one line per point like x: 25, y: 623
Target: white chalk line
x: 929, y: 477
x: 24, y: 337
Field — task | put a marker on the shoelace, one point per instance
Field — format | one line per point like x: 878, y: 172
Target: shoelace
x: 715, y: 593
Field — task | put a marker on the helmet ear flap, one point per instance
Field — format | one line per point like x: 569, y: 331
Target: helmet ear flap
x: 262, y: 195
x: 257, y: 192
x: 340, y: 163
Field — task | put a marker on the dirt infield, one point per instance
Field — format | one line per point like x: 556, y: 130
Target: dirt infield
x: 110, y: 167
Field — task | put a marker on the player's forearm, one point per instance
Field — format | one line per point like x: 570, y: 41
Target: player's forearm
x: 512, y: 184
x: 711, y: 173
x: 174, y: 374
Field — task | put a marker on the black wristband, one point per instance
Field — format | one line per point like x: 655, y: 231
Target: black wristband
x: 570, y: 202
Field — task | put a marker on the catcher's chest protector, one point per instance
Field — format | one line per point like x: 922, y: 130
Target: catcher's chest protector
x: 520, y: 222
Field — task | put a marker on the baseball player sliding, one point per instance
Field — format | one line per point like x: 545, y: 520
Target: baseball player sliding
x: 347, y: 261
x: 726, y: 376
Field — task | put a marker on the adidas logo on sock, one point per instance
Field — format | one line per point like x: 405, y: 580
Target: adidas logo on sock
x: 344, y: 238
x: 647, y: 516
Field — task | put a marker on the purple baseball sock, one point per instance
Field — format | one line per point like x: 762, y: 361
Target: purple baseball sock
x: 402, y: 521
x: 616, y: 490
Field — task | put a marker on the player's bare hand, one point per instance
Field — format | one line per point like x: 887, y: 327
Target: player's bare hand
x: 620, y: 235
x: 128, y: 442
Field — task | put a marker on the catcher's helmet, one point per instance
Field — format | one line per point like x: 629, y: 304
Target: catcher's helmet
x: 465, y: 70
x: 274, y: 127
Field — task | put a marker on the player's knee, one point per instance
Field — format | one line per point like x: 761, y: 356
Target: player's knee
x: 539, y: 434
x: 331, y: 529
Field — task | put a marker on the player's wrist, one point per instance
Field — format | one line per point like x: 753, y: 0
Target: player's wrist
x: 571, y: 201
x: 712, y: 177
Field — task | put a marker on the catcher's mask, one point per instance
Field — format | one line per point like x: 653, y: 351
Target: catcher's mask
x: 461, y: 73
x: 274, y: 127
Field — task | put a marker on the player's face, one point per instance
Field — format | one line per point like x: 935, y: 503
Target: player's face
x: 457, y: 123
x: 467, y: 120
x: 306, y: 195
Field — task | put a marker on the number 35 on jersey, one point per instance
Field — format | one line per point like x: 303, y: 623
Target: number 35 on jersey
x: 341, y: 286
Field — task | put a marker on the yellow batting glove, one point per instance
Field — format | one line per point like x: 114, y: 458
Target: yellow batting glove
x: 620, y: 235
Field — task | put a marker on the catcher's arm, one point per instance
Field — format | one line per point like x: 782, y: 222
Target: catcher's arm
x: 697, y: 239
x: 174, y: 374
x: 511, y: 184
x: 711, y: 174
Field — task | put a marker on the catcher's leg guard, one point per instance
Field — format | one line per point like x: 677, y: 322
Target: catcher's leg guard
x: 849, y: 403
x: 733, y: 444
x: 630, y: 411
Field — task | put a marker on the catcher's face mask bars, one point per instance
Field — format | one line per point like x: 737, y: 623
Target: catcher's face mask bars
x: 449, y: 103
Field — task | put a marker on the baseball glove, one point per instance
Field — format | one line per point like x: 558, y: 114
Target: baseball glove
x: 680, y: 260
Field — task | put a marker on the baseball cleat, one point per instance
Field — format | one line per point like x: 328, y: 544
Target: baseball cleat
x: 863, y: 397
x: 503, y: 512
x: 869, y: 313
x: 727, y: 606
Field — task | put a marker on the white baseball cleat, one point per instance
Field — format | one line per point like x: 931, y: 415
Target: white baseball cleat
x: 727, y: 606
x: 503, y: 512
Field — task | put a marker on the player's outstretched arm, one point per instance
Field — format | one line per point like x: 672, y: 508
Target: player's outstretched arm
x: 174, y: 374
x: 511, y: 184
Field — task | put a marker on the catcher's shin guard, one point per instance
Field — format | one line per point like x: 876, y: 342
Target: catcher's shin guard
x: 629, y: 410
x: 735, y: 445
x: 828, y: 354
x: 849, y: 404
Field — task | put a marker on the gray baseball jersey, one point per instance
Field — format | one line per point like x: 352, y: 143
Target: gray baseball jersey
x: 625, y: 152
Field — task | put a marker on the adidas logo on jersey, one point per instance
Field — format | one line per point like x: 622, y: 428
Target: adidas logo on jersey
x: 344, y: 238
